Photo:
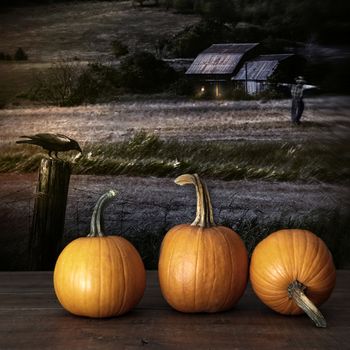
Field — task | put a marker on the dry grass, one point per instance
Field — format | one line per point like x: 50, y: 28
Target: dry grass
x: 325, y: 118
x: 254, y: 140
x: 85, y: 29
x: 220, y: 139
x: 81, y: 30
x: 146, y: 208
x: 147, y: 155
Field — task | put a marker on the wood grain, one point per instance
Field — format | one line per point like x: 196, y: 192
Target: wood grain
x: 31, y: 318
x: 49, y: 212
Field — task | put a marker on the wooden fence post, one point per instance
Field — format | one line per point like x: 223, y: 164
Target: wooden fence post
x: 49, y: 213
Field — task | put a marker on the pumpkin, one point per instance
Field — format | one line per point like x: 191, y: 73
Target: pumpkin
x: 203, y: 267
x: 292, y: 272
x: 97, y: 275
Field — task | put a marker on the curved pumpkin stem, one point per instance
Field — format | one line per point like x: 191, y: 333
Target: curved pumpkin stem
x: 296, y: 292
x: 204, y: 215
x: 97, y: 219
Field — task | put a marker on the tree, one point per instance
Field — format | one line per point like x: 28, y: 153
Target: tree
x: 20, y: 55
x: 143, y: 72
x: 66, y: 83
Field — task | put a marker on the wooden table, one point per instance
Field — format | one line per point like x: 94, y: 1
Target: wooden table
x: 31, y: 318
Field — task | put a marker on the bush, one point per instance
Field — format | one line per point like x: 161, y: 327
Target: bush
x: 69, y: 84
x: 239, y: 93
x: 143, y: 72
x: 183, y: 87
x: 107, y: 77
x: 56, y: 86
x: 119, y: 49
x: 20, y: 55
x: 5, y: 56
x: 87, y: 89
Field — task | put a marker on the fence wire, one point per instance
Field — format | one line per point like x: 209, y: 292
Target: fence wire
x: 144, y: 221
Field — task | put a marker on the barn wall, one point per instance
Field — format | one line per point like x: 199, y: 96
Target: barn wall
x: 253, y: 87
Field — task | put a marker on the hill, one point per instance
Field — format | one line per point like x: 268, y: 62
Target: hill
x: 81, y: 31
x: 84, y: 30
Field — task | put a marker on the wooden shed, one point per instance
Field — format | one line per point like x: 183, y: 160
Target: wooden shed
x: 255, y: 74
x: 216, y: 65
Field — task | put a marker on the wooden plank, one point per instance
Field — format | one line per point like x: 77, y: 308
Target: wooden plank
x: 31, y: 318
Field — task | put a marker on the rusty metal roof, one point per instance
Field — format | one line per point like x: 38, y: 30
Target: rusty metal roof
x: 219, y: 59
x: 260, y: 68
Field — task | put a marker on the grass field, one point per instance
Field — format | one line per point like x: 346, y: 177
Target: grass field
x: 81, y: 31
x: 275, y: 175
x: 325, y: 118
x: 84, y: 30
x: 162, y: 138
x: 264, y: 173
x: 147, y: 155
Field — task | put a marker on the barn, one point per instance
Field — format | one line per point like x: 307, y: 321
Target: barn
x: 255, y: 74
x: 224, y: 67
x: 215, y: 66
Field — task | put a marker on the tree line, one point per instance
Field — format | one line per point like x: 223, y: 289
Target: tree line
x: 325, y: 21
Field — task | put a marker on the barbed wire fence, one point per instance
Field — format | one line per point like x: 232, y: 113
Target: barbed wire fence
x: 142, y: 221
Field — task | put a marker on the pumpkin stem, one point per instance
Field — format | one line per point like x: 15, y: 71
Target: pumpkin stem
x: 296, y: 292
x: 204, y: 215
x: 96, y: 226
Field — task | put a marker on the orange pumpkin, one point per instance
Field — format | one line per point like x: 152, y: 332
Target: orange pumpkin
x: 292, y: 271
x: 97, y: 275
x: 202, y: 267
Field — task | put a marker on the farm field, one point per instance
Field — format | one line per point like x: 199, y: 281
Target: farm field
x: 263, y: 173
x: 325, y: 118
x: 81, y: 31
x: 147, y: 206
x: 84, y: 30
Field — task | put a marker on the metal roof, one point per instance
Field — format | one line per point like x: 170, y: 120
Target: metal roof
x: 219, y: 59
x: 260, y: 68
